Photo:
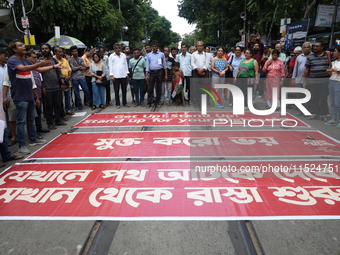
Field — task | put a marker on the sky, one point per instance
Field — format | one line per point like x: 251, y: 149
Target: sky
x: 169, y: 10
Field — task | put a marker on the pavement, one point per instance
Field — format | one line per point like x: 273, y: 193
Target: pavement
x: 283, y: 237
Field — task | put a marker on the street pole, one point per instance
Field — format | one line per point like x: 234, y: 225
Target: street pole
x: 333, y: 24
x: 121, y: 32
x: 28, y: 26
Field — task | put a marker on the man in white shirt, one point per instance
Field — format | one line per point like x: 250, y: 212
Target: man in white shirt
x: 118, y: 73
x: 185, y: 65
x: 200, y: 62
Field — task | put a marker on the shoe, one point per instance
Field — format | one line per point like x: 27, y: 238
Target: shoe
x: 13, y: 157
x: 74, y: 108
x: 65, y: 118
x: 60, y: 123
x: 70, y: 113
x: 330, y: 123
x: 43, y: 130
x: 219, y: 105
x: 24, y: 150
x: 52, y: 127
x: 37, y: 142
x: 80, y: 107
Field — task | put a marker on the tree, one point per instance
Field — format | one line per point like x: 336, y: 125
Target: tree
x: 88, y: 20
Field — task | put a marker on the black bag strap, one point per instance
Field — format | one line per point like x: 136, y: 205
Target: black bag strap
x: 136, y: 64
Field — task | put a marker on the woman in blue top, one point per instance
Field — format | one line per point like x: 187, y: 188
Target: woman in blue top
x: 219, y: 66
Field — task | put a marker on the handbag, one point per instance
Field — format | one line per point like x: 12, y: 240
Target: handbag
x: 100, y: 73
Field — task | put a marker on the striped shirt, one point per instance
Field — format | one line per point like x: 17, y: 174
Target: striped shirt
x: 318, y: 65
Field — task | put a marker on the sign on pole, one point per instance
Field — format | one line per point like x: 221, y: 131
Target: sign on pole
x: 24, y: 22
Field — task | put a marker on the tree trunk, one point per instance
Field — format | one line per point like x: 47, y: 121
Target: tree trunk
x: 309, y: 9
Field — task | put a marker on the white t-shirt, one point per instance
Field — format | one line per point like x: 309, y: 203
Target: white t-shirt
x: 336, y: 75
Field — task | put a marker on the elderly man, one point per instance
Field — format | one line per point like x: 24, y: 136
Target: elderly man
x: 119, y: 72
x: 200, y: 62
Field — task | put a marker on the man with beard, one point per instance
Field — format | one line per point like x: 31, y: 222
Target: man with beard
x: 53, y: 85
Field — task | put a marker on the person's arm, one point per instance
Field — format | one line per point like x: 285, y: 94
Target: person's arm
x: 193, y: 63
x: 35, y: 66
x: 36, y: 96
x: 49, y: 68
x: 6, y: 101
x: 213, y: 65
x: 256, y: 68
x: 165, y: 68
x: 305, y: 75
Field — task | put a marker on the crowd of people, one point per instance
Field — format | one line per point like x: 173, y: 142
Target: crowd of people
x: 45, y: 85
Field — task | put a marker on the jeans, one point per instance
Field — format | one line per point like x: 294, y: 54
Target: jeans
x: 5, y: 153
x: 38, y: 118
x: 83, y: 85
x: 26, y: 114
x: 138, y: 86
x: 334, y: 96
x: 67, y: 95
x: 98, y: 94
x: 166, y: 91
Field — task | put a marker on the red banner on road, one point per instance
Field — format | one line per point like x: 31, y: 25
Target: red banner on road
x: 227, y: 119
x: 177, y: 144
x: 172, y: 190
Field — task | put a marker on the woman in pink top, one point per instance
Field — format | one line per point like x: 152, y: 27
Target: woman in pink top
x: 274, y: 79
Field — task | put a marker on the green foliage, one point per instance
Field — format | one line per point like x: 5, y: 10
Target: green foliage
x: 219, y: 22
x: 98, y: 21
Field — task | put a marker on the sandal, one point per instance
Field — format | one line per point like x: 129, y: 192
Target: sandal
x: 39, y: 136
x: 118, y: 106
x: 13, y: 157
x: 126, y: 105
x: 102, y: 106
x: 93, y: 107
x: 135, y: 105
x: 147, y: 106
x: 12, y: 142
x: 2, y: 164
x: 142, y: 104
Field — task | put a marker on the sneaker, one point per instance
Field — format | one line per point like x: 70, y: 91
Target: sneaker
x: 60, y: 123
x: 219, y: 105
x: 52, y: 127
x: 24, y: 150
x: 330, y: 123
x: 37, y: 142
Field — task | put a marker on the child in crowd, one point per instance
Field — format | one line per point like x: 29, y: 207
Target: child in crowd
x: 177, y: 92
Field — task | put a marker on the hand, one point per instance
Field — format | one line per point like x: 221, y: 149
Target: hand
x: 304, y: 84
x: 166, y: 77
x: 112, y: 78
x: 269, y: 62
x: 67, y: 78
x: 43, y: 91
x: 37, y: 102
x: 80, y: 67
x: 63, y: 87
x: 59, y: 66
x: 45, y: 62
x: 222, y: 73
x: 6, y: 101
